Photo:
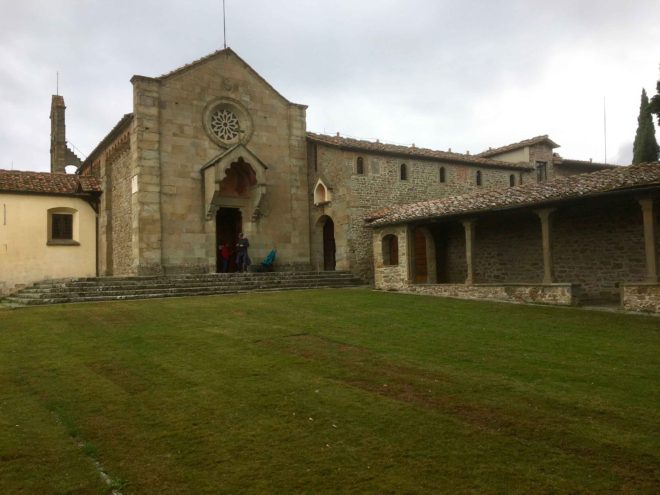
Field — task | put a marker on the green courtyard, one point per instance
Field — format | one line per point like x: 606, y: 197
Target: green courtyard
x: 327, y: 391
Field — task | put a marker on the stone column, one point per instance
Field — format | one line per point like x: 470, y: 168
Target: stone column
x: 546, y: 232
x: 468, y: 225
x: 649, y: 240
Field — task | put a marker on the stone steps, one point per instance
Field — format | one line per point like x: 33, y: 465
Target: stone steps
x: 130, y: 288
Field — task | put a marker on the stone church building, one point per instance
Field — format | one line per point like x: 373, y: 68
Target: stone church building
x: 211, y: 149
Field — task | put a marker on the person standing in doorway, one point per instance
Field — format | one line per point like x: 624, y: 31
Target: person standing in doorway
x: 242, y: 258
x: 224, y: 257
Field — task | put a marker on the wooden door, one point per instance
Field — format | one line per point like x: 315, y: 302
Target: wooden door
x: 329, y: 245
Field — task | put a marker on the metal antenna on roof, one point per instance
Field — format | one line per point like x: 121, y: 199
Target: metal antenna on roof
x: 605, y: 128
x: 224, y: 24
x: 57, y: 83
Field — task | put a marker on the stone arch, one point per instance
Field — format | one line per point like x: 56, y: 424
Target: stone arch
x: 390, y: 250
x: 324, y: 248
x: 239, y: 179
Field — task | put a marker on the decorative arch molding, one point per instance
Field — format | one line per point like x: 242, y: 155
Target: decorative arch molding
x: 322, y: 193
x: 235, y: 178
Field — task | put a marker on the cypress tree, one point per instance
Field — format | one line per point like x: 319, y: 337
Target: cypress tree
x: 645, y: 147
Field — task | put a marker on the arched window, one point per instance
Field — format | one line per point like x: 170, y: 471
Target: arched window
x: 443, y: 177
x: 404, y: 172
x: 359, y: 166
x: 390, y: 250
x: 512, y: 180
x: 479, y: 180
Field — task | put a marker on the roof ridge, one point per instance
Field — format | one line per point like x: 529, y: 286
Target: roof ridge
x: 520, y: 144
x: 415, y: 151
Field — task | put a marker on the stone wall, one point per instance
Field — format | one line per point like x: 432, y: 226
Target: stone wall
x: 146, y: 178
x: 354, y: 195
x: 641, y: 297
x: 555, y: 294
x: 119, y: 166
x: 599, y: 245
x: 391, y: 276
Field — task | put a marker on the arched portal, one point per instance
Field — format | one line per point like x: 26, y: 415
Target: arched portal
x: 228, y: 225
x: 324, y: 247
x: 329, y: 247
x: 239, y: 179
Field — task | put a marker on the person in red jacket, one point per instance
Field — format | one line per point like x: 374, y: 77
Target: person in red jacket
x: 224, y: 257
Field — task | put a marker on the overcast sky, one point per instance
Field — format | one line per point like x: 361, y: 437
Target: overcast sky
x: 442, y: 74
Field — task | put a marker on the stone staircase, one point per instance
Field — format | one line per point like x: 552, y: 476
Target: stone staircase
x: 130, y: 288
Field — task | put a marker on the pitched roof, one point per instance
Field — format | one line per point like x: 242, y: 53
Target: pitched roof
x: 217, y: 53
x: 521, y: 144
x: 533, y: 194
x: 411, y: 151
x: 558, y: 160
x: 47, y: 183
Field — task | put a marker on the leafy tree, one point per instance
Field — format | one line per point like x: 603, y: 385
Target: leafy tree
x: 645, y: 147
x: 654, y: 106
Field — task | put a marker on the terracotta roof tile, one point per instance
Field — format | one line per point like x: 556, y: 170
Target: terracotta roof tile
x: 412, y: 151
x: 521, y: 144
x: 47, y: 183
x: 558, y: 160
x: 527, y: 195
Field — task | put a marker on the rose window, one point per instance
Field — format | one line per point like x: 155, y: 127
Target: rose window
x: 224, y: 124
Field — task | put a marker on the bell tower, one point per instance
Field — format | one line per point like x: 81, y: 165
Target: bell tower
x: 60, y: 154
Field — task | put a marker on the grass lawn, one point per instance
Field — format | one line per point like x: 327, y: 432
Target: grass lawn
x: 328, y: 391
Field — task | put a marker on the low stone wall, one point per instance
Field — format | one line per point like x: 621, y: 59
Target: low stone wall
x: 641, y: 297
x: 556, y: 294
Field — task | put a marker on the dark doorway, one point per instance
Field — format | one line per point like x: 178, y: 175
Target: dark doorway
x: 421, y: 264
x: 441, y: 258
x: 329, y: 244
x: 228, y: 224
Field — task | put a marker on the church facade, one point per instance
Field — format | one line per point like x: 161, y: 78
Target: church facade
x: 212, y: 149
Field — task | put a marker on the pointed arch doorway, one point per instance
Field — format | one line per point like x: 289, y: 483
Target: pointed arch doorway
x: 324, y: 244
x: 229, y: 224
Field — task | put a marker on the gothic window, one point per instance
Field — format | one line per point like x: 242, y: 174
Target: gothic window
x: 359, y: 166
x: 390, y: 250
x: 403, y: 172
x: 479, y: 179
x: 322, y: 194
x: 442, y: 174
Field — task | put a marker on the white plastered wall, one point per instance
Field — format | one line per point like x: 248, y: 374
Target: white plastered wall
x: 25, y: 255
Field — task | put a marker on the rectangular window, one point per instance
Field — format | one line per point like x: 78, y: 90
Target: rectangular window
x: 541, y: 171
x: 62, y: 226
